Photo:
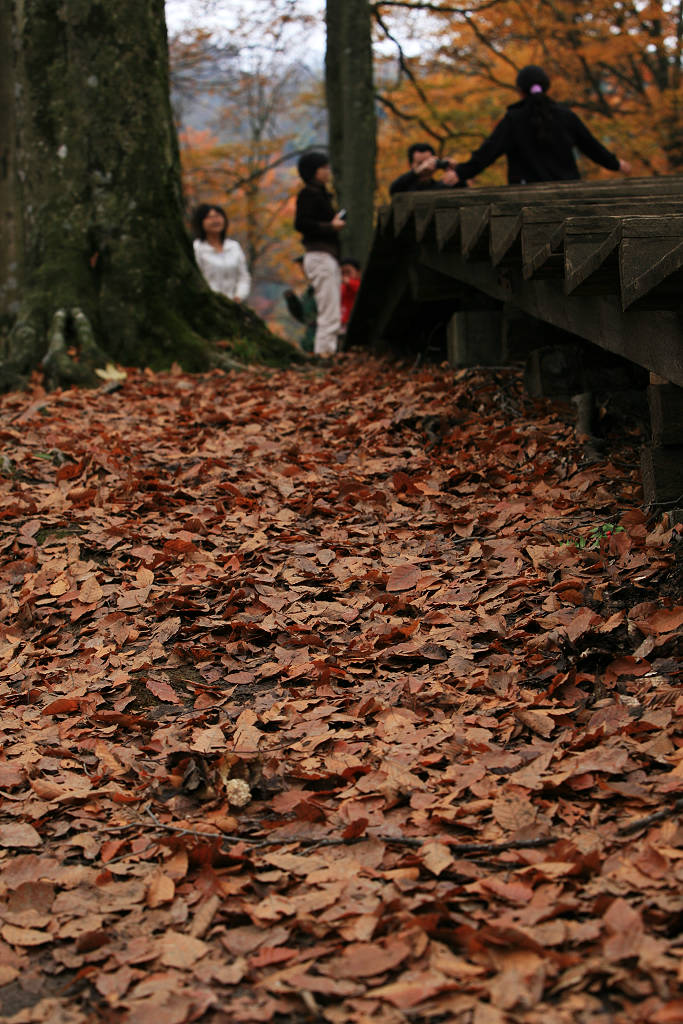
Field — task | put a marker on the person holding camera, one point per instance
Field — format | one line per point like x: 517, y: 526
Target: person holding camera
x: 539, y: 136
x: 319, y: 226
x: 423, y: 165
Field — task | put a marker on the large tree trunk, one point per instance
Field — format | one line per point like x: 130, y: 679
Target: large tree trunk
x: 351, y: 108
x: 8, y: 201
x: 107, y: 271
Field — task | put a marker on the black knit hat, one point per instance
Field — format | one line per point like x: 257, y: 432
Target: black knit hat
x: 309, y: 163
x: 532, y: 75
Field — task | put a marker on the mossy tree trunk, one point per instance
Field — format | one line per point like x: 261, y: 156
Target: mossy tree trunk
x: 8, y: 202
x: 350, y: 99
x: 106, y: 269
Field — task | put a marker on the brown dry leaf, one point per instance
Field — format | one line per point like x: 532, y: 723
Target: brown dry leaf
x: 367, y: 959
x: 660, y: 620
x: 413, y: 988
x: 17, y: 936
x: 513, y: 813
x: 537, y: 721
x: 163, y: 690
x: 17, y: 834
x: 204, y: 915
x: 161, y: 889
x: 436, y: 857
x: 206, y: 740
x: 114, y: 984
x: 8, y: 974
x: 59, y: 587
x: 11, y: 776
x: 91, y: 592
x: 625, y: 927
x: 182, y: 951
x: 670, y: 1013
x: 403, y: 577
x: 484, y: 1013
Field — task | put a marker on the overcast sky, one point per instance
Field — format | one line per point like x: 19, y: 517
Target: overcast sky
x: 183, y: 14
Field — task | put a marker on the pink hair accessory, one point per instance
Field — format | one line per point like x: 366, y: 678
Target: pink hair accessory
x: 536, y: 88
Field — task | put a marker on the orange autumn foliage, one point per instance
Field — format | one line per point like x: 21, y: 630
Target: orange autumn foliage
x: 618, y: 65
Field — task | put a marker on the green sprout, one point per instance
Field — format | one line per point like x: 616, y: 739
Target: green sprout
x: 595, y: 536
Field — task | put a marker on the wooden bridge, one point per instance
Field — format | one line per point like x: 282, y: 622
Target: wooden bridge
x: 598, y: 261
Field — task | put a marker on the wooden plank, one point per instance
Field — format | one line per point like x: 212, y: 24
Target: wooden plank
x: 506, y: 230
x: 544, y: 238
x: 424, y: 221
x: 651, y: 260
x: 542, y: 254
x: 591, y: 255
x: 403, y: 206
x: 474, y: 235
x: 447, y: 226
x: 547, y: 194
x: 508, y: 219
x: 590, y: 244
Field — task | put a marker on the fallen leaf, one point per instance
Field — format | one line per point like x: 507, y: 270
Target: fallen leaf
x: 17, y: 834
x: 179, y: 950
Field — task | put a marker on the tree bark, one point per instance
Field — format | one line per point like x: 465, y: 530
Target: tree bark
x: 352, y: 126
x: 8, y: 201
x: 106, y: 268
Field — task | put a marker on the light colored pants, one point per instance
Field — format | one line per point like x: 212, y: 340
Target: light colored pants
x: 324, y: 273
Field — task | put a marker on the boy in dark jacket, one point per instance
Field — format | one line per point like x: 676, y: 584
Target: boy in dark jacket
x: 319, y: 226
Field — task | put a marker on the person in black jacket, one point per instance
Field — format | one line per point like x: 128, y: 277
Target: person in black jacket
x: 538, y: 136
x: 420, y: 178
x: 319, y: 226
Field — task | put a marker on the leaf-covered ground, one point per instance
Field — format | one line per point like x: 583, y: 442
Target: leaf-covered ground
x: 349, y: 696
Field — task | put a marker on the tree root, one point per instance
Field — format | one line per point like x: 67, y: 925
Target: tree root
x: 220, y: 361
x: 73, y: 355
x: 59, y: 365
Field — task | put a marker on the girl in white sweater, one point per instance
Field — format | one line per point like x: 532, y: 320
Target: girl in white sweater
x: 220, y: 259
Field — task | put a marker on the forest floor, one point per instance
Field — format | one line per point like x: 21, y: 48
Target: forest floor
x: 347, y: 695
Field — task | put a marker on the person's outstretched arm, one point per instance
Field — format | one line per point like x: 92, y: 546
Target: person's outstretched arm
x: 593, y: 149
x: 490, y: 150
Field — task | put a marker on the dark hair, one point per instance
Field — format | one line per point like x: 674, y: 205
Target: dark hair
x: 198, y: 220
x: 350, y: 261
x: 420, y: 147
x: 534, y: 83
x: 309, y: 163
x: 532, y: 75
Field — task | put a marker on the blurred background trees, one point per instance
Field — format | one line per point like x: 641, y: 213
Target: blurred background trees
x: 250, y: 96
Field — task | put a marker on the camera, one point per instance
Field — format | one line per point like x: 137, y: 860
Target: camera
x: 443, y: 165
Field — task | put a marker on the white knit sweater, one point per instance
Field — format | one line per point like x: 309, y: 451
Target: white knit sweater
x: 225, y: 269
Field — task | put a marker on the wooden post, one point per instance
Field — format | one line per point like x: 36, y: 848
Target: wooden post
x: 475, y: 338
x: 662, y: 460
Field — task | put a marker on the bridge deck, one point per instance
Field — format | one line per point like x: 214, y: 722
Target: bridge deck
x: 602, y: 260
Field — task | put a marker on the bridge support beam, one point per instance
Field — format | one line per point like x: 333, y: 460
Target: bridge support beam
x: 475, y: 338
x: 662, y: 460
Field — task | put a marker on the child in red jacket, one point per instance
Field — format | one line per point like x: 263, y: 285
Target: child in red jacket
x: 350, y: 271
